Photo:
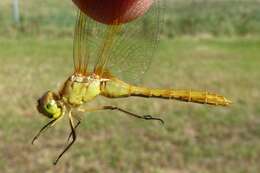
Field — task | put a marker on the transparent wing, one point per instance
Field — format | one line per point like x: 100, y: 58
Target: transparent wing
x: 124, y: 50
x: 105, y: 49
x: 80, y: 50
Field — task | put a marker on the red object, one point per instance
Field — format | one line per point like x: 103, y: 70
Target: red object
x: 114, y: 11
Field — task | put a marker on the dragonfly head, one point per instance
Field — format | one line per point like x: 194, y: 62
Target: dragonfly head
x: 50, y: 106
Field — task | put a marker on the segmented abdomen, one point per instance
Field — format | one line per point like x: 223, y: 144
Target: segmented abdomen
x: 115, y: 88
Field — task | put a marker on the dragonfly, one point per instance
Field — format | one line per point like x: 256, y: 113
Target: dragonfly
x: 102, y: 56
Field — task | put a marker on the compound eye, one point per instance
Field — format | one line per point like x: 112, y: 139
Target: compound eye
x: 48, y: 106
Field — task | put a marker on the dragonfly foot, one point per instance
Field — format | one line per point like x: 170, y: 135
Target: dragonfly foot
x: 44, y: 128
x: 149, y: 117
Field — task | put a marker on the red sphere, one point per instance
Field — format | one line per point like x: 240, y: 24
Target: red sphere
x: 114, y: 11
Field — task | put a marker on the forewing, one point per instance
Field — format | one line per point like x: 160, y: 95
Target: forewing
x: 80, y: 46
x: 105, y: 49
x: 123, y: 50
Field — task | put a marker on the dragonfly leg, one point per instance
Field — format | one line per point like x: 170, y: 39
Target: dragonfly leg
x: 43, y: 129
x: 70, y: 135
x: 74, y: 137
x: 144, y: 117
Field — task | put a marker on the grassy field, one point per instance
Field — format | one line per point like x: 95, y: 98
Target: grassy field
x: 195, y: 138
x: 36, y: 56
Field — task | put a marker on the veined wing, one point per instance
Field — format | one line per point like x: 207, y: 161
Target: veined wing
x: 80, y: 49
x: 124, y: 50
x: 85, y: 43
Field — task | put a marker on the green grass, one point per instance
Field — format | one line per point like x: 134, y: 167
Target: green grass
x: 195, y: 138
x: 214, y: 17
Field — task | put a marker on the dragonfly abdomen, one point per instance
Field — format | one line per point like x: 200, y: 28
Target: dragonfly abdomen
x: 116, y: 88
x: 182, y: 95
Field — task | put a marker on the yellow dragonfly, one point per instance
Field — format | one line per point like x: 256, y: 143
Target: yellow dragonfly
x: 102, y: 55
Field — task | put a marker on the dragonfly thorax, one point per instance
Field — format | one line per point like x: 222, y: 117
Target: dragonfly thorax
x: 79, y: 89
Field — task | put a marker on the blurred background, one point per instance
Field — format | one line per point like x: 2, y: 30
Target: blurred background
x: 205, y: 44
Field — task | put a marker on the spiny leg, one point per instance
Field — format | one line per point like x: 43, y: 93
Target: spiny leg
x: 43, y: 129
x: 144, y: 117
x: 74, y: 129
x: 74, y: 136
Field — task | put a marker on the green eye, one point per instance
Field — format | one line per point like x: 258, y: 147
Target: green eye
x: 51, y: 105
x: 53, y: 109
x: 48, y: 106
